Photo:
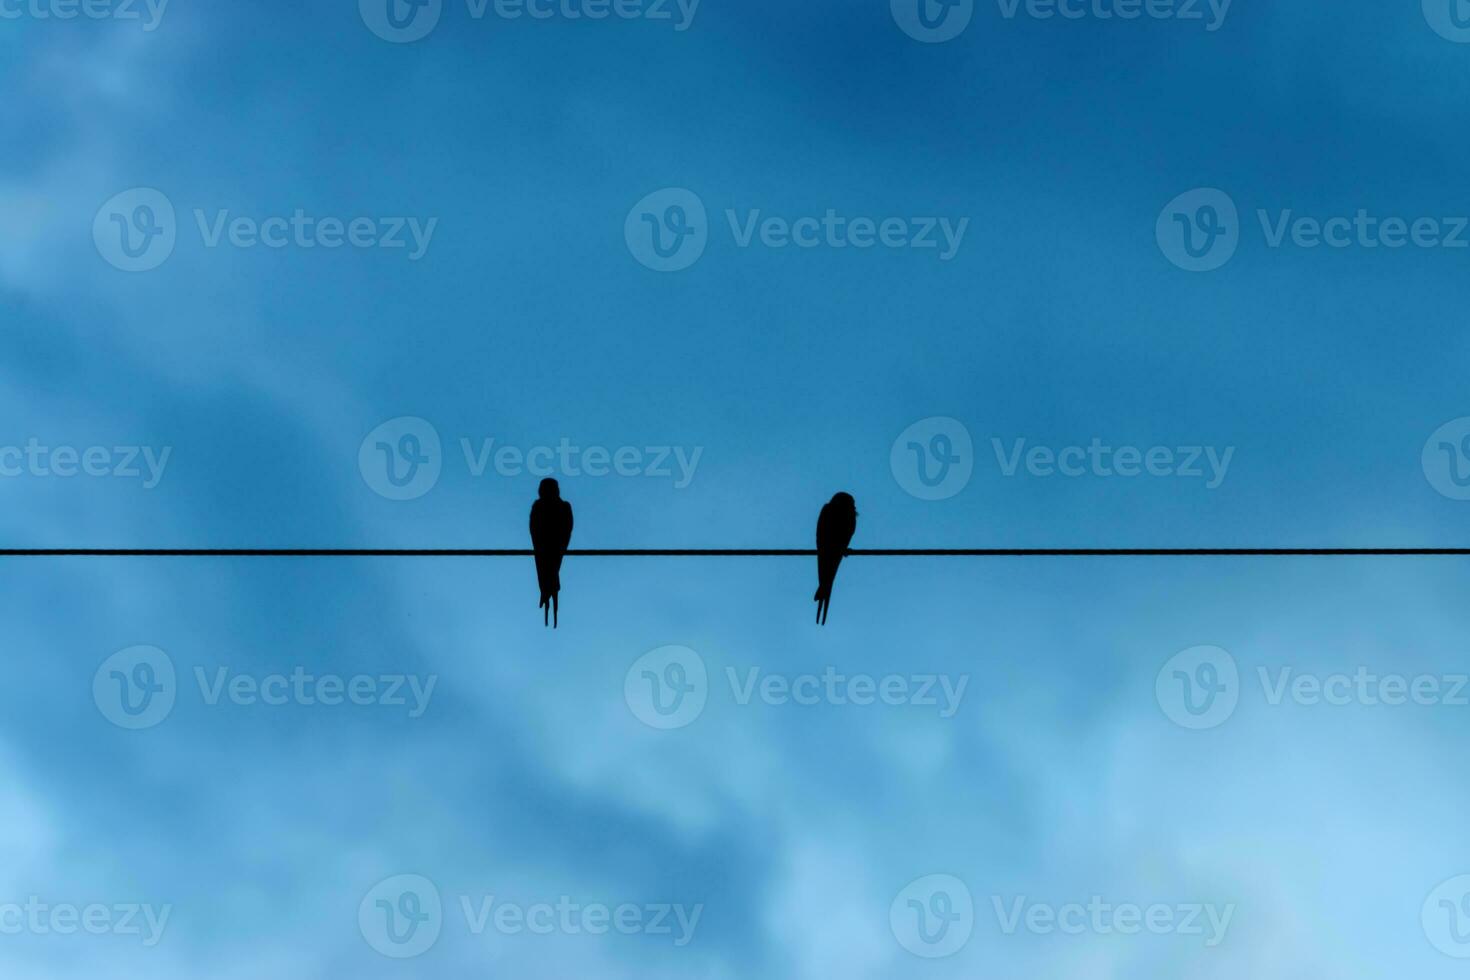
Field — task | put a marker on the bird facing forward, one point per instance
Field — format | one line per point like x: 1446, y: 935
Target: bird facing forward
x: 551, y: 534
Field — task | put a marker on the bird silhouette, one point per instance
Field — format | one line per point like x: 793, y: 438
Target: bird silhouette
x: 835, y: 527
x: 551, y: 533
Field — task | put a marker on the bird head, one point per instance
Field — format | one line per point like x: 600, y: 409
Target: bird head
x: 845, y: 501
x: 550, y: 489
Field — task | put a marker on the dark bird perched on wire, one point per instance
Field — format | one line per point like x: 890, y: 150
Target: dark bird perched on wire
x: 551, y: 534
x: 835, y: 527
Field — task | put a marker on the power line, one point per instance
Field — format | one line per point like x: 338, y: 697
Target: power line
x: 729, y: 552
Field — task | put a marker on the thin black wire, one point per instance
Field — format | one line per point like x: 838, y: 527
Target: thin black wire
x: 727, y: 552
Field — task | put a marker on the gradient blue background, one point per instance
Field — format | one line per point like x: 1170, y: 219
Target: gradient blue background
x: 529, y: 321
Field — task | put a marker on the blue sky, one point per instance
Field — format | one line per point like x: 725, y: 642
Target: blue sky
x: 258, y: 380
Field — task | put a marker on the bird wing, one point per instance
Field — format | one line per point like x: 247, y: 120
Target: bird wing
x: 537, y: 526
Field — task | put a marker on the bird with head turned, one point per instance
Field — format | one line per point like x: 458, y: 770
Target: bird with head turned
x: 836, y: 524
